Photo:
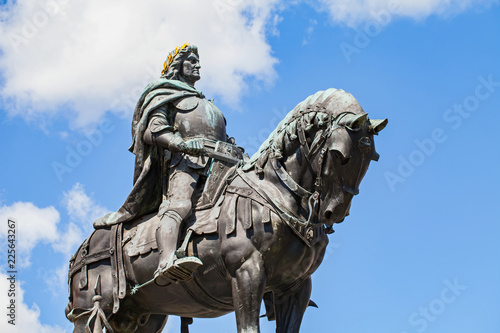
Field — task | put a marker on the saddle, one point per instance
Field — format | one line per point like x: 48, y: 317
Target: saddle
x: 140, y: 237
x: 241, y: 204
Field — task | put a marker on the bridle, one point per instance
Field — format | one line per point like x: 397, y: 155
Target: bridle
x: 309, y: 151
x: 305, y: 229
x: 312, y: 198
x: 317, y: 147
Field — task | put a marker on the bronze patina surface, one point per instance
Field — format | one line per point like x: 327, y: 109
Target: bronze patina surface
x: 205, y: 230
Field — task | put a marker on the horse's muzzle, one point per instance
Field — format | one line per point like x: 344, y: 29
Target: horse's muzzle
x: 335, y: 213
x: 331, y: 218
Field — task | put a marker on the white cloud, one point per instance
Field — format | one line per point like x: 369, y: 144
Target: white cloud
x: 68, y: 240
x: 81, y: 208
x: 27, y: 317
x: 355, y: 12
x: 91, y: 56
x: 81, y: 59
x: 82, y: 211
x: 309, y: 31
x: 56, y: 279
x: 34, y: 225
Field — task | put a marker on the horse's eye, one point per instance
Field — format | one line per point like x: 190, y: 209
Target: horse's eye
x: 343, y: 160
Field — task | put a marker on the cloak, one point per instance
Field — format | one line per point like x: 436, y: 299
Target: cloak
x: 146, y: 194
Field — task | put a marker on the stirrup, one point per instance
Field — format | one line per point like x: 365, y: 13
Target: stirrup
x: 182, y: 269
x: 177, y: 269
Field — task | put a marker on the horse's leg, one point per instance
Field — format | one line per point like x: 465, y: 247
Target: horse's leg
x: 80, y: 325
x: 185, y: 322
x: 154, y: 324
x: 248, y: 285
x: 290, y: 308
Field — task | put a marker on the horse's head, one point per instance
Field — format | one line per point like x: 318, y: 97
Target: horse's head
x: 321, y: 151
x: 348, y: 151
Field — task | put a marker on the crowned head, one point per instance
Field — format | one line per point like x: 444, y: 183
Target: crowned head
x: 182, y: 64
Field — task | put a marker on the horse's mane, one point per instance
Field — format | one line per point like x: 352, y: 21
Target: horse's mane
x: 315, y: 110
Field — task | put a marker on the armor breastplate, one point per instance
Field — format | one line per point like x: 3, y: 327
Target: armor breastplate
x: 199, y: 118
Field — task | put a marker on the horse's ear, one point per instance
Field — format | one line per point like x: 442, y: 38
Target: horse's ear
x: 358, y: 122
x: 376, y: 125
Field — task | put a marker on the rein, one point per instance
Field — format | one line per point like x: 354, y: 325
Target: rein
x: 308, y: 152
x: 307, y: 234
x: 305, y: 229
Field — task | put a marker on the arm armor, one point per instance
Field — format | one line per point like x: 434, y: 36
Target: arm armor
x: 160, y: 133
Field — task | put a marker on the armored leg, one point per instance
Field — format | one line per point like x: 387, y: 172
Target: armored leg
x: 173, y: 264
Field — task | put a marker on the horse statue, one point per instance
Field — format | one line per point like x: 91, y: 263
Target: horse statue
x: 261, y: 241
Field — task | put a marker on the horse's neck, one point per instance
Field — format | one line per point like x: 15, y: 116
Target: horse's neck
x: 299, y: 170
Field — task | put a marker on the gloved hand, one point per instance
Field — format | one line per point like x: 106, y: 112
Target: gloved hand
x: 194, y: 148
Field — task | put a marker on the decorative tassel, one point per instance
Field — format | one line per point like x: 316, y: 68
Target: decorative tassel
x: 99, y: 316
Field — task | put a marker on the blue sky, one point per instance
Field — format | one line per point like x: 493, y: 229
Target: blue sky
x: 419, y: 252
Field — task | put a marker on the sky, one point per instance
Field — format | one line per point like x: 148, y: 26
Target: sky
x: 419, y: 251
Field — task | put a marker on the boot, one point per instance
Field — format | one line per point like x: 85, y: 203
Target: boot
x: 173, y: 264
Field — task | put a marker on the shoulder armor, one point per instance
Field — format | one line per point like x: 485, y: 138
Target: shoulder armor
x: 187, y: 103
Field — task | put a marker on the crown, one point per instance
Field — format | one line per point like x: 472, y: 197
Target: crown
x: 171, y: 57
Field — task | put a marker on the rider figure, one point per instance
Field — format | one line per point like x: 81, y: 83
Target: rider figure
x: 194, y: 118
x: 172, y: 123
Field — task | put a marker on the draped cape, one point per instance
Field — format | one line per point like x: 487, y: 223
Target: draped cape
x: 146, y: 194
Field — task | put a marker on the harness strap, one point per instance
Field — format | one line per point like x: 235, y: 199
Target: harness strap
x: 318, y: 141
x: 308, y: 233
x: 114, y: 270
x: 305, y: 230
x: 115, y: 255
x: 250, y: 194
x: 96, y: 314
x: 83, y: 276
x: 98, y: 256
x: 200, y: 295
x: 292, y: 185
x: 288, y: 181
x: 302, y: 139
x: 122, y: 280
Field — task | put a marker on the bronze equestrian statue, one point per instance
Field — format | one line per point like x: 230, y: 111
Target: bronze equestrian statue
x: 251, y: 229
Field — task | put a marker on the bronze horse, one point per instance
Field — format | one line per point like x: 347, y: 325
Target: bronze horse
x: 263, y: 239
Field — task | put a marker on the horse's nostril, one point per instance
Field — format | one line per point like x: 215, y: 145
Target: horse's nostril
x: 328, y: 215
